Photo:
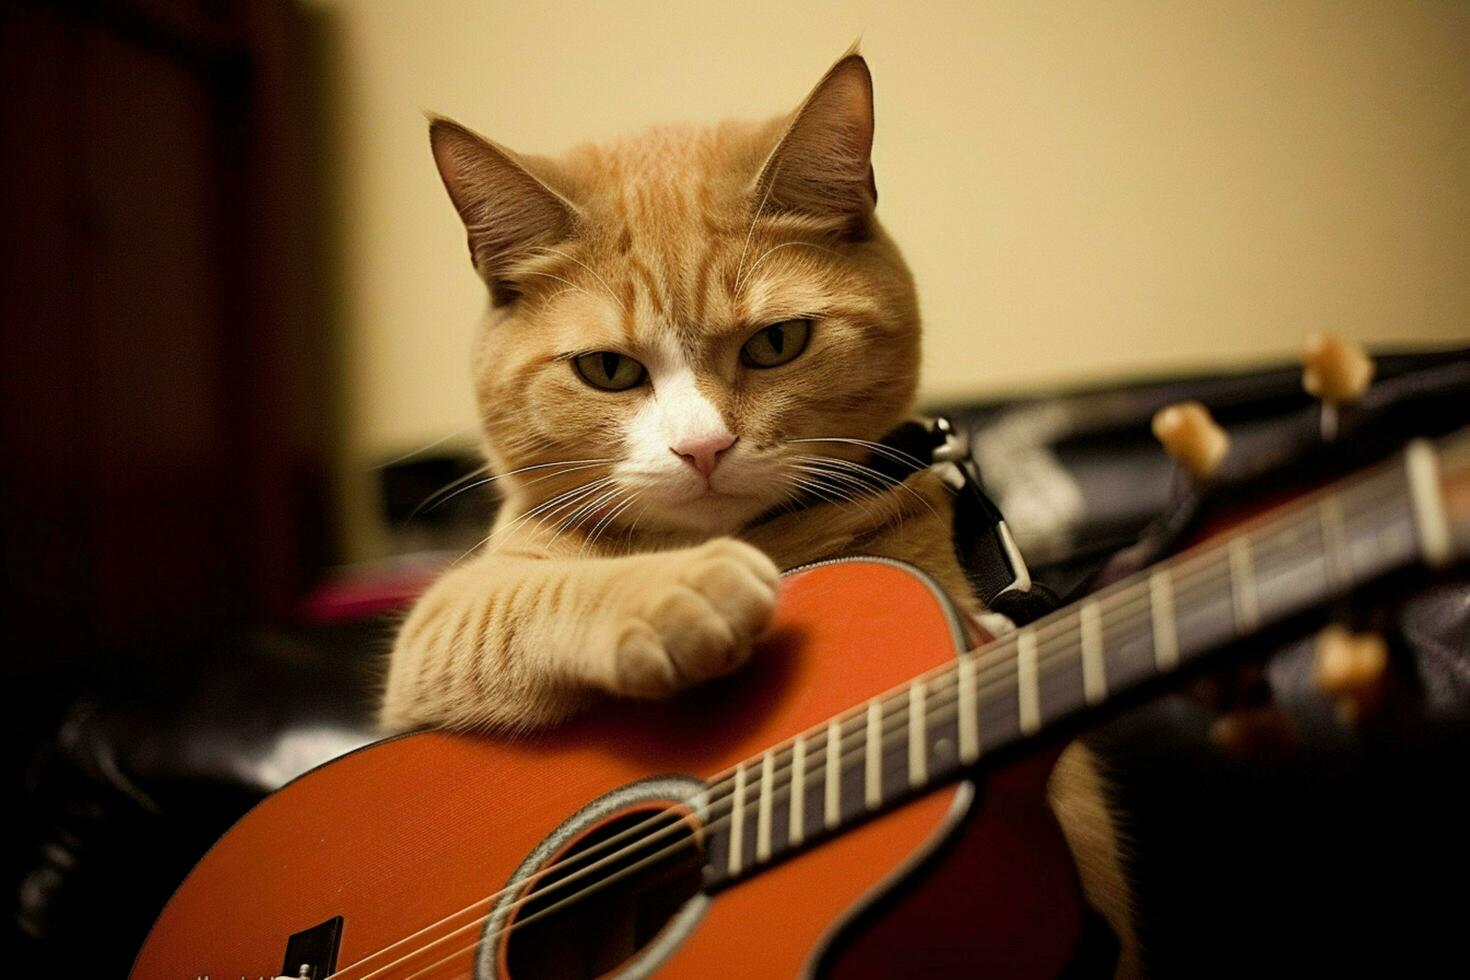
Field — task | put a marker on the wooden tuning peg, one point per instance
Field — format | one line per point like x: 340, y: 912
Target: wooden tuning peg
x: 1350, y: 668
x: 1192, y: 437
x: 1334, y: 369
x: 1337, y: 371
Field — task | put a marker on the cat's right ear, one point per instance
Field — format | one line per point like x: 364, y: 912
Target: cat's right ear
x: 506, y: 209
x: 822, y: 165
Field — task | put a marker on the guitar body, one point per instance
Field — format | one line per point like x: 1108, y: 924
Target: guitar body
x: 405, y: 839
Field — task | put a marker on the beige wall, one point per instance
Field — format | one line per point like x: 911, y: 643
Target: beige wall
x: 1083, y: 189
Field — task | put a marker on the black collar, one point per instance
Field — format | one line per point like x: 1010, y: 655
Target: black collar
x: 982, y: 542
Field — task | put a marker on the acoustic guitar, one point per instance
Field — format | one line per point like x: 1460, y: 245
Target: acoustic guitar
x: 866, y: 798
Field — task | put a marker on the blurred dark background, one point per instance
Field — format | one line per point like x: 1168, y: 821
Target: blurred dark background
x: 167, y: 399
x: 168, y: 403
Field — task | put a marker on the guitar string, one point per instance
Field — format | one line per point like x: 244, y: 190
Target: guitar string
x: 896, y: 708
x: 938, y: 711
x: 1000, y: 647
x: 779, y: 792
x: 1001, y: 654
x: 816, y: 758
x: 783, y: 791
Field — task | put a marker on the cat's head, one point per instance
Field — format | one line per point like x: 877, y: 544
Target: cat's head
x: 690, y: 308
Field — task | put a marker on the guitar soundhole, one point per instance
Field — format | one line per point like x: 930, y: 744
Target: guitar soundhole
x: 605, y: 898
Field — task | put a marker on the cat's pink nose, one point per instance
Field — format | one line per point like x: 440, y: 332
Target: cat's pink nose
x: 704, y: 453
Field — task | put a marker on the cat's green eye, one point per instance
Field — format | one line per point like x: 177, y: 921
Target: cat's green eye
x: 610, y: 371
x: 776, y: 344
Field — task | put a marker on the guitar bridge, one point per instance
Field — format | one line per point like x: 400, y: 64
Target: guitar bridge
x: 312, y: 953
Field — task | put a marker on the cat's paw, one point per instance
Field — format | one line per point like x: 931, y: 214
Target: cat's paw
x: 695, y: 617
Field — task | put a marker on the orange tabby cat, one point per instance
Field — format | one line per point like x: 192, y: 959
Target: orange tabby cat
x: 686, y: 330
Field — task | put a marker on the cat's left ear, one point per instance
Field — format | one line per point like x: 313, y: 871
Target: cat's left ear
x: 822, y: 165
x: 507, y: 210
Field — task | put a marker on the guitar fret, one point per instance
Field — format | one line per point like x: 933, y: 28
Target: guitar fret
x: 737, y: 821
x: 918, y: 737
x: 795, y: 827
x: 1103, y: 646
x: 1166, y: 630
x: 1094, y: 673
x: 763, y: 811
x: 1334, y: 538
x: 1243, y: 585
x: 873, y: 770
x: 1429, y: 517
x: 1028, y: 694
x: 968, y: 721
x: 833, y: 784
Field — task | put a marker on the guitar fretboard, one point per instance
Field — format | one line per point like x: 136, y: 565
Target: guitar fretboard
x: 1132, y: 633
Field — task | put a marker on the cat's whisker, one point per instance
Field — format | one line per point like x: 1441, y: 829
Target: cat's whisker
x: 429, y: 500
x: 850, y: 484
x: 887, y: 512
x: 547, y: 508
x: 884, y: 478
x: 633, y: 526
x: 559, y: 292
x: 823, y: 492
x: 572, y: 466
x: 897, y: 455
x: 572, y: 469
x: 865, y: 480
x: 565, y: 497
x: 586, y: 511
x: 898, y: 484
x: 570, y: 507
x: 559, y: 500
x: 590, y: 508
x: 472, y: 549
x: 572, y: 259
x: 776, y: 248
x: 502, y: 533
x: 599, y: 507
x: 826, y: 479
x: 816, y: 481
x: 609, y: 510
x: 423, y: 449
x: 562, y: 473
x: 517, y: 522
x: 787, y: 503
x: 794, y: 482
x: 739, y: 268
x: 610, y: 521
x: 565, y: 502
x: 607, y: 521
x: 567, y: 282
x: 826, y: 467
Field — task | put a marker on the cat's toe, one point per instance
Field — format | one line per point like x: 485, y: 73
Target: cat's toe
x: 679, y: 640
x: 700, y: 640
x: 641, y: 664
x: 694, y: 620
x: 739, y: 581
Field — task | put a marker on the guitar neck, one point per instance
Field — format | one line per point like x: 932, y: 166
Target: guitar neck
x: 1131, y: 634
